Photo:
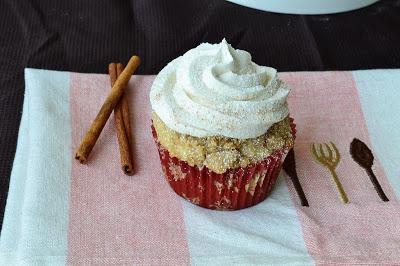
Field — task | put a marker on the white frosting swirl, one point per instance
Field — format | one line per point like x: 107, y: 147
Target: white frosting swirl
x: 214, y: 89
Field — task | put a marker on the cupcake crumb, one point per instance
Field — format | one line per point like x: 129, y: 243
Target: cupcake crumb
x: 219, y: 153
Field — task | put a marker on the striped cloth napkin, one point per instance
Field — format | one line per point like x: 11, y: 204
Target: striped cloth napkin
x: 60, y: 212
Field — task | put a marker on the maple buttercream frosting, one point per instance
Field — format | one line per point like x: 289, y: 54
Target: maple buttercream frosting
x: 216, y: 90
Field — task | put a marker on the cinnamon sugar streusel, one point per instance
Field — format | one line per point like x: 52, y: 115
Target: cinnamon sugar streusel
x: 220, y: 153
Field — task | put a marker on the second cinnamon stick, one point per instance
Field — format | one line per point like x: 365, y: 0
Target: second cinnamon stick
x: 122, y: 124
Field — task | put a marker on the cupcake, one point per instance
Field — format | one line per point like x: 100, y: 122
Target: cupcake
x: 221, y: 125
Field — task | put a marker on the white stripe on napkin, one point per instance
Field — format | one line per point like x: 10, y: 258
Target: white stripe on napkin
x: 35, y: 226
x: 268, y: 233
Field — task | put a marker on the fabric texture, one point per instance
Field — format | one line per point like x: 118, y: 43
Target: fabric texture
x: 61, y: 212
x: 35, y: 232
x: 379, y: 96
x: 136, y: 222
x: 335, y: 232
x: 84, y: 36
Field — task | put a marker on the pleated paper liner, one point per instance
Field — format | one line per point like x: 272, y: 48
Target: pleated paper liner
x: 235, y: 189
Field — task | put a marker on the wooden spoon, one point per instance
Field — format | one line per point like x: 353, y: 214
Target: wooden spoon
x: 363, y: 156
x: 289, y: 165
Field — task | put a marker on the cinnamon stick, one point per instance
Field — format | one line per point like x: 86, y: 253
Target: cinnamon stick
x: 122, y: 123
x: 109, y: 104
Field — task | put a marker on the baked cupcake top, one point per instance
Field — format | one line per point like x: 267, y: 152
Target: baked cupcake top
x: 215, y: 90
x: 220, y: 153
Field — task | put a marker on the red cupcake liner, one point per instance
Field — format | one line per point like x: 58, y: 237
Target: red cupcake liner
x: 235, y: 189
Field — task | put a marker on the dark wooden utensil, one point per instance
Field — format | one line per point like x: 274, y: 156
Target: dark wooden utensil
x: 289, y: 165
x: 363, y: 156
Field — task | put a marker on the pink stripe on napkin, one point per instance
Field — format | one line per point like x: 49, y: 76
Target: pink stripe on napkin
x: 114, y: 218
x: 326, y: 107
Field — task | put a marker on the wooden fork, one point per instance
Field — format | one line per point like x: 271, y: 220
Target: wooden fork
x: 330, y: 159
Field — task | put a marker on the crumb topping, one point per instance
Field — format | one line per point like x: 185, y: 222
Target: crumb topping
x: 219, y: 153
